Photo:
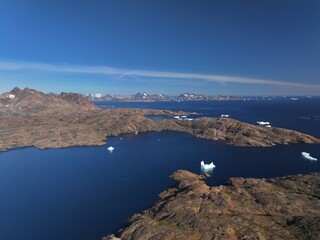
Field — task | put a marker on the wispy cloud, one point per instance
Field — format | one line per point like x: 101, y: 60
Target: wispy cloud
x: 104, y: 70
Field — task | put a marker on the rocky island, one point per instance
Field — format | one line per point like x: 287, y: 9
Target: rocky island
x: 32, y: 118
x: 278, y: 208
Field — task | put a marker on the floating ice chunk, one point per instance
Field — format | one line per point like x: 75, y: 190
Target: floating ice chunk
x: 263, y: 123
x: 295, y: 99
x: 308, y: 156
x: 184, y: 116
x: 121, y: 138
x: 176, y: 117
x: 110, y: 149
x: 207, y: 166
x: 224, y: 115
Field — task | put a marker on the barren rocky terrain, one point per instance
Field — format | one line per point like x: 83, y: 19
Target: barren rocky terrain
x: 32, y: 118
x: 278, y: 208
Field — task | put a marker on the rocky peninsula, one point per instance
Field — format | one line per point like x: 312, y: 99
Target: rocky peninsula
x: 278, y: 208
x: 32, y: 118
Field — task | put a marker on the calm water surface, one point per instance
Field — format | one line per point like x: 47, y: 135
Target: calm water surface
x: 87, y: 192
x: 302, y: 115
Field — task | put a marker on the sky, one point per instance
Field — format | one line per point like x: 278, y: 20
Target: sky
x: 227, y: 47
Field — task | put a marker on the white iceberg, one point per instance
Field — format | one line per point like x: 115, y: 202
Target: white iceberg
x: 176, y: 117
x: 263, y: 123
x: 224, y: 115
x: 110, y: 149
x: 184, y: 116
x: 207, y: 166
x: 308, y: 156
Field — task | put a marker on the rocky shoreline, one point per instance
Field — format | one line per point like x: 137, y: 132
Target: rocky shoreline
x: 94, y: 127
x: 31, y: 118
x: 279, y: 208
x: 243, y: 208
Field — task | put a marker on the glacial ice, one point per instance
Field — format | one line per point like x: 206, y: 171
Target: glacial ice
x: 308, y: 156
x: 110, y: 149
x: 207, y: 166
x: 263, y: 123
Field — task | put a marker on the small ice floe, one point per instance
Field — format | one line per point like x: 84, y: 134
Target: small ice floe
x: 136, y: 132
x: 294, y: 99
x: 121, y: 138
x: 183, y: 118
x: 308, y: 156
x: 110, y: 149
x: 262, y: 123
x: 224, y: 115
x: 207, y: 169
x: 207, y: 166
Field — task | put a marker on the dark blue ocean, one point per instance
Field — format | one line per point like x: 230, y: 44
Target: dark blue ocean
x: 87, y: 192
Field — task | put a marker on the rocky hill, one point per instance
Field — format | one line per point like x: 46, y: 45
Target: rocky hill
x: 278, y: 208
x: 87, y: 128
x: 31, y: 102
x: 32, y: 118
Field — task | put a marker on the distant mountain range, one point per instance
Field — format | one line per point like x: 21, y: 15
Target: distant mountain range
x: 146, y: 97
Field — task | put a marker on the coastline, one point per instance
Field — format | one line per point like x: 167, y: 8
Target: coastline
x: 92, y: 128
x: 243, y: 208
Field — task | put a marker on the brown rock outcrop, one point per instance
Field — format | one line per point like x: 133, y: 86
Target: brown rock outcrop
x: 28, y: 102
x: 32, y: 118
x: 278, y: 208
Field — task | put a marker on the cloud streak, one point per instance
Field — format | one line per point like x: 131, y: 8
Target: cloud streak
x: 104, y: 70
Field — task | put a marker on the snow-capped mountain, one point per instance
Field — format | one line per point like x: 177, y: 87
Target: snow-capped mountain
x: 98, y: 97
x: 146, y: 97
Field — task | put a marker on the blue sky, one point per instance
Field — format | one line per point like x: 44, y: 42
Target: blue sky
x: 120, y: 47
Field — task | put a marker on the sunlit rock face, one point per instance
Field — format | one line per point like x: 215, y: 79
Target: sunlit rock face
x: 278, y: 208
x: 33, y: 118
x: 31, y: 102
